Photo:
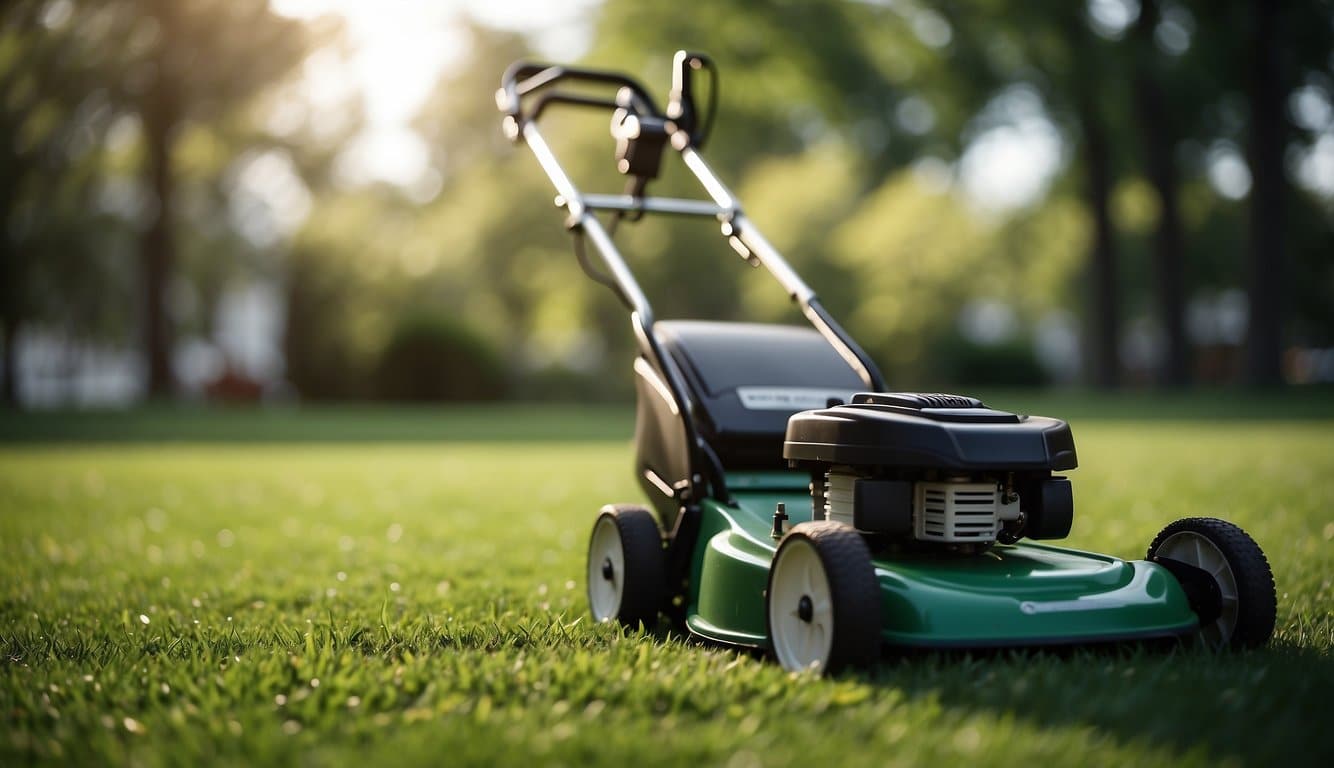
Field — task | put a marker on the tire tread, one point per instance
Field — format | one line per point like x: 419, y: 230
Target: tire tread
x: 1257, y: 603
x: 644, y: 574
x: 853, y: 588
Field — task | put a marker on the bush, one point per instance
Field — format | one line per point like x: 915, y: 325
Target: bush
x: 430, y: 357
x: 1008, y: 364
x: 324, y: 362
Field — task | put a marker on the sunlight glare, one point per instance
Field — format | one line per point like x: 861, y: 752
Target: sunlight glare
x: 399, y: 48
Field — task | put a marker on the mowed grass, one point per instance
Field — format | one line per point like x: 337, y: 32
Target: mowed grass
x: 422, y: 603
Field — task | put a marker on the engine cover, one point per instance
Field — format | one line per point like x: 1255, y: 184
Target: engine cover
x: 927, y: 431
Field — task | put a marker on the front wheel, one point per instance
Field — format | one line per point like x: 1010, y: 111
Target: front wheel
x: 625, y: 566
x: 823, y: 602
x: 1226, y: 578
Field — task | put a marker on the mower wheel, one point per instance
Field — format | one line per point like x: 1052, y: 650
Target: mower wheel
x: 625, y: 566
x: 1240, y: 612
x: 823, y: 602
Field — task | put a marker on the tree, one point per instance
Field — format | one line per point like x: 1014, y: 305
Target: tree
x: 204, y: 60
x: 838, y: 74
x: 1264, y: 345
x: 1104, y: 293
x: 1254, y: 60
x: 54, y: 111
x: 1054, y: 50
x: 1159, y: 143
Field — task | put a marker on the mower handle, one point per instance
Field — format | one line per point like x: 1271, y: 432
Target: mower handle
x: 681, y: 101
x: 678, y: 128
x: 524, y: 77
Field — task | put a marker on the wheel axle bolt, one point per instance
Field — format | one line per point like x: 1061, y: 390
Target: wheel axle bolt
x: 805, y: 609
x: 607, y: 570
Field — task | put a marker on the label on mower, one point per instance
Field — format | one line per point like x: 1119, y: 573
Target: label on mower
x: 789, y: 398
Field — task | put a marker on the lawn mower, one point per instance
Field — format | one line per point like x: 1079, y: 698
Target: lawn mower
x: 799, y: 507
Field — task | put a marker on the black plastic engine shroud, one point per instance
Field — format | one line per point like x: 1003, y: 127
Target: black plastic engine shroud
x: 928, y: 431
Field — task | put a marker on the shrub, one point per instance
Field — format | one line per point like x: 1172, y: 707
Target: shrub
x: 1007, y: 364
x: 432, y: 357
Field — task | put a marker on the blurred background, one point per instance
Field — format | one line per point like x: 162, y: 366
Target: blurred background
x: 307, y: 200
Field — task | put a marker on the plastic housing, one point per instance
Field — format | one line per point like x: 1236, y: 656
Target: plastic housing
x: 866, y: 433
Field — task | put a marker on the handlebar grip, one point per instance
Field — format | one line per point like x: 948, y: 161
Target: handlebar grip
x: 681, y: 102
x: 522, y: 78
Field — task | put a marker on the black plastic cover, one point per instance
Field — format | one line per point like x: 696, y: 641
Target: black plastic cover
x: 965, y: 439
x: 1049, y: 506
x: 748, y: 378
x: 882, y: 506
x: 639, y: 143
x: 662, y: 454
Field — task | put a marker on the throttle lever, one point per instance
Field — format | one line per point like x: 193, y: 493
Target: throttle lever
x: 681, y: 101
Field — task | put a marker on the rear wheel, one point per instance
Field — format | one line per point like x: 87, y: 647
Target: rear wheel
x: 1238, y: 609
x: 625, y: 566
x: 823, y: 602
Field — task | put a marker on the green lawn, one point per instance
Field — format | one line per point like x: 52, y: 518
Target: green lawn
x: 394, y: 591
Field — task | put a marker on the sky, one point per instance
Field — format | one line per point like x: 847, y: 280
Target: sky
x: 399, y: 49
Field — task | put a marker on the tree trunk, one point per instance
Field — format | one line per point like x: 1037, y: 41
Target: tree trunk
x: 9, y: 386
x: 159, y: 114
x: 1105, y: 358
x: 12, y: 283
x: 1264, y: 344
x: 1159, y: 150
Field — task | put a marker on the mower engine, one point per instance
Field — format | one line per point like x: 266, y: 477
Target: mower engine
x: 942, y: 469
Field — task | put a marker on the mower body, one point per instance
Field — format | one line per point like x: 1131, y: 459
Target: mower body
x: 1025, y: 594
x: 781, y: 412
x: 796, y: 503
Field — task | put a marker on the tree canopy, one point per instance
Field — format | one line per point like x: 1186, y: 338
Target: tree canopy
x: 1173, y: 225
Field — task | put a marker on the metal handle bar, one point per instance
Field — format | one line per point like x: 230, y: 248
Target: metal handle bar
x: 666, y: 205
x: 523, y: 78
x: 748, y: 241
x: 558, y: 97
x: 583, y: 223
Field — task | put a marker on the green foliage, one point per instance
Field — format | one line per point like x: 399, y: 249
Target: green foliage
x: 916, y: 256
x: 813, y: 131
x: 131, y: 122
x: 965, y: 363
x: 325, y: 603
x: 459, y: 121
x: 436, y: 357
x: 63, y: 257
x: 336, y: 283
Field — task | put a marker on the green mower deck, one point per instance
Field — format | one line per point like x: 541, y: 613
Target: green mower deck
x: 1012, y: 595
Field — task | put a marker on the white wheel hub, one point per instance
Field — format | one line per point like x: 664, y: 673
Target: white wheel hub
x: 801, y: 613
x: 1194, y: 549
x: 606, y: 570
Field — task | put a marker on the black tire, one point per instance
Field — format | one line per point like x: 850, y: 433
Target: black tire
x: 853, y: 593
x: 1255, y: 605
x: 632, y: 531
